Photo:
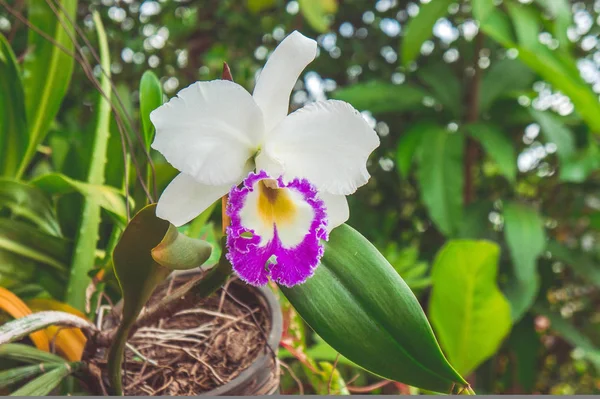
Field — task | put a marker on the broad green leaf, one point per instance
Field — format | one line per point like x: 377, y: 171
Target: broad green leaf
x: 493, y: 21
x: 475, y: 220
x: 13, y: 119
x: 444, y: 85
x: 179, y: 252
x: 467, y: 309
x: 578, y: 168
x: 555, y: 131
x: 409, y: 145
x: 581, y: 263
x: 318, y: 13
x: 107, y: 197
x: 28, y: 354
x: 45, y: 384
x: 379, y: 97
x: 354, y: 302
x: 84, y: 254
x: 151, y: 97
x: 502, y: 78
x: 28, y: 242
x: 257, y: 6
x: 526, y: 240
x: 18, y: 374
x: 497, y: 145
x: 441, y: 178
x: 46, y: 70
x: 420, y: 28
x: 571, y: 334
x: 30, y: 203
x: 560, y: 10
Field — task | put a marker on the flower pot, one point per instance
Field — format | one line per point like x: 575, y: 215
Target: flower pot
x: 226, y: 343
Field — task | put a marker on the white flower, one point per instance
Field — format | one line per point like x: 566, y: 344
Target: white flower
x: 215, y: 133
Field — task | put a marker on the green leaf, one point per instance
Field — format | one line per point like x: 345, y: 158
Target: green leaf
x: 13, y: 119
x: 420, y: 28
x: 582, y: 264
x: 526, y: 240
x: 578, y: 168
x: 379, y: 97
x: 525, y: 343
x: 45, y: 384
x: 556, y: 132
x: 409, y: 145
x: 467, y: 309
x: 354, y: 302
x: 151, y: 97
x: 560, y: 10
x: 318, y: 13
x: 179, y: 252
x: 107, y: 197
x: 256, y: 6
x: 18, y: 374
x: 84, y: 254
x: 29, y: 203
x: 571, y: 334
x: 46, y: 70
x: 28, y: 354
x: 502, y: 78
x: 441, y: 178
x: 444, y: 85
x: 29, y: 242
x: 497, y: 145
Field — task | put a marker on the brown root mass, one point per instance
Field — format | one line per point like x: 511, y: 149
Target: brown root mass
x: 200, y: 348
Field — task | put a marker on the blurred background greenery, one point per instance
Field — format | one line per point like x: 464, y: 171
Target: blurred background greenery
x: 488, y: 113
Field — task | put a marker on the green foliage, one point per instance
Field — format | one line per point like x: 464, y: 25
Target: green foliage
x: 151, y: 97
x: 47, y: 70
x: 467, y: 309
x: 444, y: 86
x: 497, y: 145
x: 318, y: 13
x: 342, y: 302
x: 522, y: 224
x: 409, y: 146
x: 420, y: 28
x: 380, y: 97
x: 504, y: 77
x: 47, y: 382
x: 441, y: 178
x: 13, y: 120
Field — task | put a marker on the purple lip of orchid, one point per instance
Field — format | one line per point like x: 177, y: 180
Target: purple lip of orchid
x: 276, y: 230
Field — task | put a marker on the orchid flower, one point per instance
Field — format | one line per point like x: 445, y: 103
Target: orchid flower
x: 216, y: 134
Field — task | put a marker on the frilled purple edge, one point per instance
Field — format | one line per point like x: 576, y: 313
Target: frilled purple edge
x: 252, y: 262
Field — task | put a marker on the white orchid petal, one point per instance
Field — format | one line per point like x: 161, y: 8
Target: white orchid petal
x: 278, y: 77
x: 337, y: 209
x: 209, y: 131
x: 185, y: 198
x: 326, y: 142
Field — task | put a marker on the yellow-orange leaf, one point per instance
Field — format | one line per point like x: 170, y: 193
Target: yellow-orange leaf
x: 15, y: 307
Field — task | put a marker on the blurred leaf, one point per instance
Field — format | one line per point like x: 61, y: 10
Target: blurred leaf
x: 443, y: 83
x: 28, y: 242
x: 328, y: 381
x: 492, y: 20
x: 409, y: 145
x: 318, y: 13
x: 525, y: 342
x: 107, y: 197
x: 579, y: 167
x: 30, y: 203
x: 138, y: 274
x: 177, y: 251
x: 86, y: 241
x: 497, y: 145
x: 475, y: 220
x: 45, y: 384
x: 420, y: 28
x: 27, y: 354
x: 441, y: 178
x: 15, y: 307
x: 526, y: 240
x: 151, y: 97
x: 354, y: 302
x: 582, y: 264
x: 46, y: 70
x: 18, y: 374
x: 560, y: 10
x: 503, y: 77
x: 556, y: 132
x: 467, y: 309
x: 571, y: 334
x: 13, y: 120
x: 256, y: 6
x: 379, y: 97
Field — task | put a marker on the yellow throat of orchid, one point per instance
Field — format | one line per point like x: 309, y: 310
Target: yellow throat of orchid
x: 275, y: 204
